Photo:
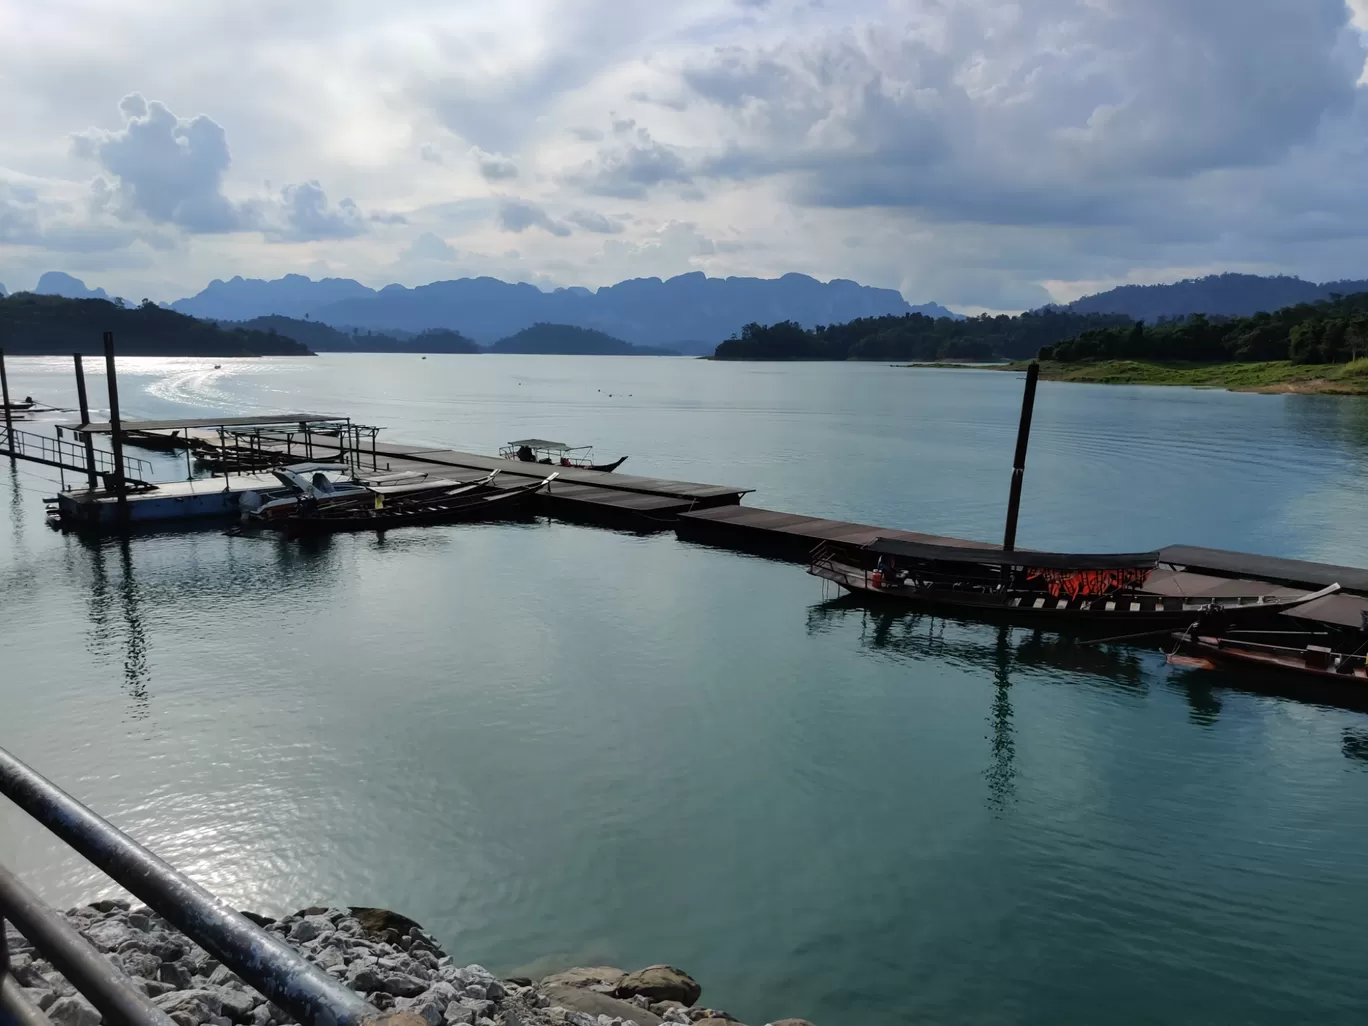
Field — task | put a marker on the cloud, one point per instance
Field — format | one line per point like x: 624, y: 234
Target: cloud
x: 494, y: 167
x: 630, y: 169
x: 591, y: 221
x: 168, y: 169
x: 428, y: 246
x: 517, y: 215
x: 430, y: 153
x: 303, y: 214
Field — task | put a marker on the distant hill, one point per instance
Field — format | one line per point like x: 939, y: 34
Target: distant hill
x: 59, y: 283
x: 569, y: 340
x: 691, y: 309
x: 1217, y: 295
x: 46, y: 325
x: 3, y: 293
x: 323, y: 338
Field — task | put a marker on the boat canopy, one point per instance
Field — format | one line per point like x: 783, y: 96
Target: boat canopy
x: 542, y: 443
x: 992, y: 556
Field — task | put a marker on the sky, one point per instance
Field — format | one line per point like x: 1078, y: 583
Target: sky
x: 983, y: 154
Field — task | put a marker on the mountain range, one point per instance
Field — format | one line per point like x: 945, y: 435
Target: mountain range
x: 1217, y: 295
x: 689, y: 313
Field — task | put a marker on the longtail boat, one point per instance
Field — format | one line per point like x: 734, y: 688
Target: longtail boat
x: 463, y: 504
x: 1087, y: 588
x: 540, y: 450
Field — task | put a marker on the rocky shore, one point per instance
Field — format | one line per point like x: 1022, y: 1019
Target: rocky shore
x: 389, y: 959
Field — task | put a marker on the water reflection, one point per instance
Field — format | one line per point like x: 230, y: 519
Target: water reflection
x: 125, y: 601
x: 1355, y: 744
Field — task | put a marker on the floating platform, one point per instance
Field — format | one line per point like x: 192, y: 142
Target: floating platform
x: 174, y: 500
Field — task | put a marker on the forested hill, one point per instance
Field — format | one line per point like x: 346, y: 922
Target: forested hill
x: 1335, y: 331
x: 571, y: 340
x: 914, y: 337
x: 36, y: 325
x: 323, y: 338
x: 1217, y: 295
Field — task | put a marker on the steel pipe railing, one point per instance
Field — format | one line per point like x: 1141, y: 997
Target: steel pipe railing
x: 95, y: 976
x: 262, y: 960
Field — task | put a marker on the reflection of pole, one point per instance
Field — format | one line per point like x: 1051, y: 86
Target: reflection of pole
x: 91, y: 480
x: 1001, y: 770
x: 1019, y: 462
x: 115, y: 426
x: 4, y: 398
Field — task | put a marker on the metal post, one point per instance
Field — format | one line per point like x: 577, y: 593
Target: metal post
x: 4, y: 398
x: 223, y: 455
x: 115, y: 426
x: 1019, y: 462
x: 374, y: 431
x: 92, y: 480
x: 278, y: 971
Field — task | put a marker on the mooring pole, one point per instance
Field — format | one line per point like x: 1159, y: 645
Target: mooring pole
x: 115, y: 426
x: 92, y: 481
x: 1019, y: 462
x: 4, y: 398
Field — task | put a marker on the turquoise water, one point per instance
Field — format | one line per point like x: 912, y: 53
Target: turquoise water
x: 555, y: 744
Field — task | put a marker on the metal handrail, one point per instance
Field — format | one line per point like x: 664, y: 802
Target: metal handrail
x: 75, y: 957
x: 262, y: 960
x: 28, y: 444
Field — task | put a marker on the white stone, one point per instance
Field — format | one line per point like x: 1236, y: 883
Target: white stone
x: 73, y: 1010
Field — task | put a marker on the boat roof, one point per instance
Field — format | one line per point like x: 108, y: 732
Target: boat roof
x: 993, y: 556
x: 103, y: 427
x: 542, y: 443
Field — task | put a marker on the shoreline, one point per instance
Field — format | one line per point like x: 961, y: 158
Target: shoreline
x: 387, y: 958
x: 1280, y: 377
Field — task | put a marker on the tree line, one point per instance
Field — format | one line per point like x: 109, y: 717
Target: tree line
x: 1332, y: 331
x: 915, y: 337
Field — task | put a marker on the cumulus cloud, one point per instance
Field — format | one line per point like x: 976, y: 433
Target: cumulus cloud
x: 517, y: 215
x: 169, y: 170
x: 428, y: 246
x: 629, y: 169
x: 592, y: 221
x: 494, y: 167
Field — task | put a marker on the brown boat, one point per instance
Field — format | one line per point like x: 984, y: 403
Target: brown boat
x: 1052, y: 587
x: 1196, y: 650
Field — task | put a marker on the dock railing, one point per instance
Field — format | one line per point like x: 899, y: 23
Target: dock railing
x: 69, y: 455
x: 265, y: 962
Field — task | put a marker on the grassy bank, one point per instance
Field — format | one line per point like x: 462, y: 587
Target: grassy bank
x: 1279, y: 376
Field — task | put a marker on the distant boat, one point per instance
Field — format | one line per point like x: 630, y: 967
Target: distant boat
x: 218, y: 366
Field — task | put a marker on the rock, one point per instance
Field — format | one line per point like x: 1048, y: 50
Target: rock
x: 109, y: 934
x: 111, y: 905
x: 43, y: 997
x: 364, y: 978
x: 198, y: 1005
x: 427, y: 1008
x: 73, y: 1010
x: 261, y: 1016
x: 222, y: 976
x: 460, y: 1015
x: 329, y: 957
x: 710, y: 1021
x: 138, y: 921
x: 378, y: 920
x: 403, y: 985
x: 603, y: 978
x: 591, y: 1002
x: 152, y: 988
x: 237, y: 1005
x: 661, y: 983
x: 789, y: 1022
x: 175, y: 974
x: 520, y: 981
x: 259, y: 920
x: 140, y: 963
x: 308, y: 928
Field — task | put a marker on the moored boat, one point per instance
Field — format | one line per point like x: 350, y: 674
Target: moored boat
x: 1065, y: 588
x: 465, y: 503
x: 540, y: 450
x: 329, y: 485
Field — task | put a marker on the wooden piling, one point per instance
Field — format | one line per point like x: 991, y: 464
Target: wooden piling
x: 115, y: 428
x: 92, y: 479
x: 1019, y: 461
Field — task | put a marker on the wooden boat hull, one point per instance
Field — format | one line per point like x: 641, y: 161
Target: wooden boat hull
x: 1209, y: 652
x: 1124, y: 610
x: 484, y: 506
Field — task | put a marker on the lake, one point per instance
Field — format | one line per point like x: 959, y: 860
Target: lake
x: 557, y: 745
